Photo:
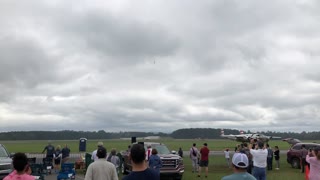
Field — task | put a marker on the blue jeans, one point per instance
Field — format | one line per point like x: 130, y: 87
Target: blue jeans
x: 259, y: 173
x: 269, y: 163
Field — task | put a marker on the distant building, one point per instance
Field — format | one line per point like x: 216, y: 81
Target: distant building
x: 151, y: 137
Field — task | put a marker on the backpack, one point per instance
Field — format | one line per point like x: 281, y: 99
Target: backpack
x: 194, y: 152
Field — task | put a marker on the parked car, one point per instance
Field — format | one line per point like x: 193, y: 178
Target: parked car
x: 5, y: 162
x: 294, y: 153
x: 172, y: 164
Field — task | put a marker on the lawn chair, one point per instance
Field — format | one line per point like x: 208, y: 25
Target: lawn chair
x: 32, y: 160
x: 47, y: 165
x: 37, y: 171
x: 67, y: 171
x: 88, y: 161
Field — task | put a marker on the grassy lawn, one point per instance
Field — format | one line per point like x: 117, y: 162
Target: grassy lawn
x: 217, y: 165
x: 218, y: 169
x: 173, y: 144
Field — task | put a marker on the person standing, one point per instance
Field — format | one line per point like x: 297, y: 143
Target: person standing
x: 303, y: 155
x: 259, y: 157
x: 239, y: 163
x: 140, y: 171
x: 246, y: 151
x: 101, y: 169
x: 180, y: 152
x: 21, y: 168
x: 65, y: 153
x: 194, y: 158
x: 148, y: 152
x: 269, y: 157
x: 277, y: 157
x: 94, y: 156
x: 155, y: 161
x: 57, y: 159
x: 50, y: 150
x: 227, y: 156
x: 313, y: 159
x: 204, y: 161
x: 115, y: 160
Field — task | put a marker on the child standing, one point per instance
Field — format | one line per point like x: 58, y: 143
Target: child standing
x: 277, y: 157
x: 227, y: 156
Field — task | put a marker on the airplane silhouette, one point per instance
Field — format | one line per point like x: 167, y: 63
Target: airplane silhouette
x: 247, y: 137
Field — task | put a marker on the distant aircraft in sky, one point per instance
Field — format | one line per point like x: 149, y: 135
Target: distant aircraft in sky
x: 247, y: 137
x: 291, y: 141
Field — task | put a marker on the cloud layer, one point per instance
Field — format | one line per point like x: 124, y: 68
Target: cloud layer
x: 159, y: 66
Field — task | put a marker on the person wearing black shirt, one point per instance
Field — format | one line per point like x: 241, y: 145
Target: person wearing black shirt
x: 140, y: 171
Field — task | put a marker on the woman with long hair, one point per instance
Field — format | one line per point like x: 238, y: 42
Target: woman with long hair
x: 277, y: 156
x: 313, y: 159
x: 155, y: 161
x: 57, y: 159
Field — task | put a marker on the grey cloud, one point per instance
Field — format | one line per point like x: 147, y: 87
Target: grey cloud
x: 121, y: 38
x: 23, y: 62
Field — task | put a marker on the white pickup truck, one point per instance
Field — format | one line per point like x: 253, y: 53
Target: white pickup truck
x: 5, y: 162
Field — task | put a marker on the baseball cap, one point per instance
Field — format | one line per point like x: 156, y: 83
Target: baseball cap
x: 240, y: 160
x: 100, y: 144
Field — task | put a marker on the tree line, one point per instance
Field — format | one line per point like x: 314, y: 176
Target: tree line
x: 190, y: 133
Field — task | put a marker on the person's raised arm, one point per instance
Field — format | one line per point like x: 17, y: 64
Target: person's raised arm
x: 251, y: 144
x: 44, y: 149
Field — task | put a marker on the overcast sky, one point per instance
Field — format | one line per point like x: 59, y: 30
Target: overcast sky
x: 159, y: 66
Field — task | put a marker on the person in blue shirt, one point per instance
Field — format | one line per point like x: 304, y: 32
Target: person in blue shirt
x: 50, y: 150
x: 65, y: 153
x: 155, y: 161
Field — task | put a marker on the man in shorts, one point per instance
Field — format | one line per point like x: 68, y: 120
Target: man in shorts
x: 204, y: 161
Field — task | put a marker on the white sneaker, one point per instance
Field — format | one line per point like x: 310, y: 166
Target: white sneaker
x: 277, y: 168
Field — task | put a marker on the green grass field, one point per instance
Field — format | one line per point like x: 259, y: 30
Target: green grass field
x: 217, y: 165
x: 173, y: 144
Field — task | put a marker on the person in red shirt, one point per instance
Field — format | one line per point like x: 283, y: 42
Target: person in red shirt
x: 148, y: 153
x: 204, y: 161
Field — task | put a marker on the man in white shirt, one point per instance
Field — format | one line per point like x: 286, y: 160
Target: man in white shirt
x: 94, y: 156
x: 259, y: 157
x: 194, y: 158
x: 101, y: 169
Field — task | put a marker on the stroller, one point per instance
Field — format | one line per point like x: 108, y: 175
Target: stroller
x: 47, y: 164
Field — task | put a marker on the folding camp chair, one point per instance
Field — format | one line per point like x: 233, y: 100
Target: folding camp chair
x: 67, y: 171
x: 37, y: 171
x: 47, y: 165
